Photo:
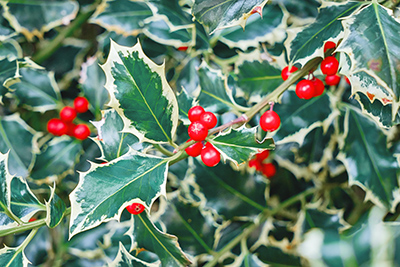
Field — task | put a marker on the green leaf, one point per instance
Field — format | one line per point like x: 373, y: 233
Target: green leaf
x: 133, y: 177
x: 185, y: 103
x: 171, y: 12
x: 56, y: 158
x: 122, y: 16
x: 6, y: 31
x: 6, y: 222
x: 238, y: 145
x: 13, y: 257
x: 188, y: 77
x: 17, y: 137
x: 374, y: 67
x: 5, y: 180
x: 302, y: 9
x: 36, y: 89
x: 10, y: 49
x: 220, y: 14
x: 92, y: 81
x: 326, y: 219
x: 55, y: 209
x: 270, y: 28
x: 368, y: 162
x: 141, y: 94
x: 160, y: 32
x: 250, y: 260
x: 166, y: 246
x: 125, y: 259
x: 276, y: 257
x: 42, y: 16
x: 111, y: 140
x: 8, y: 70
x: 307, y: 43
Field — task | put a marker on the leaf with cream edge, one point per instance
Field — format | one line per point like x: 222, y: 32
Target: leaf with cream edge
x: 8, y: 70
x: 42, y: 16
x: 139, y: 91
x: 55, y: 209
x: 238, y: 145
x: 304, y: 44
x: 5, y: 195
x: 131, y: 178
x: 371, y: 40
x: 148, y: 236
x: 369, y: 163
x: 125, y: 259
x: 185, y: 103
x: 13, y: 257
x: 215, y: 15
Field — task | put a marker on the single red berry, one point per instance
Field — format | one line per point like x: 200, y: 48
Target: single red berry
x: 57, y: 127
x: 210, y: 156
x: 262, y: 155
x: 208, y: 119
x: 330, y: 65
x: 329, y: 45
x: 32, y: 219
x: 197, y: 131
x: 256, y: 164
x: 81, y: 131
x: 270, y: 121
x: 81, y: 104
x: 195, y: 149
x: 68, y: 114
x: 269, y: 170
x: 347, y: 81
x: 183, y: 48
x: 305, y: 89
x: 285, y: 72
x: 51, y: 125
x: 332, y: 79
x: 195, y: 112
x: 135, y: 208
x: 319, y: 87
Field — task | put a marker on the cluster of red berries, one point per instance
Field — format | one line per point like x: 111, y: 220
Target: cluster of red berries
x: 64, y: 125
x: 135, y: 208
x: 330, y: 66
x: 270, y: 120
x: 268, y: 169
x: 201, y: 122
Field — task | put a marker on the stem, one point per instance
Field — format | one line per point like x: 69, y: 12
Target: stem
x: 163, y: 150
x: 28, y: 239
x: 11, y: 215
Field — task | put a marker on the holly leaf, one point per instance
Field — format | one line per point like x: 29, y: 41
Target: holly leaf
x: 42, y: 16
x: 250, y: 260
x: 56, y: 158
x: 374, y: 67
x: 171, y: 12
x: 125, y: 259
x: 369, y: 163
x: 185, y: 103
x: 141, y: 94
x: 10, y: 49
x: 36, y: 89
x: 5, y: 179
x: 17, y: 137
x: 55, y: 209
x: 8, y: 70
x: 304, y: 44
x: 276, y: 257
x: 215, y: 15
x: 13, y: 257
x: 124, y: 17
x: 327, y: 219
x: 166, y: 246
x: 238, y: 145
x: 6, y: 31
x: 133, y: 177
x: 188, y: 77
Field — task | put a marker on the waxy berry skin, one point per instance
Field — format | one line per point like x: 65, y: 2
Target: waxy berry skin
x: 135, y: 208
x: 197, y: 131
x: 305, y: 89
x: 81, y: 131
x: 68, y: 114
x: 270, y: 121
x: 195, y: 149
x: 332, y: 79
x: 195, y: 112
x: 208, y: 119
x: 329, y: 45
x: 285, y: 72
x: 210, y: 155
x: 269, y: 170
x: 319, y: 87
x: 262, y: 155
x: 57, y: 127
x: 329, y: 66
x: 81, y: 104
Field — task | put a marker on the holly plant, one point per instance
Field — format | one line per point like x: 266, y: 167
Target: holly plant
x: 199, y: 133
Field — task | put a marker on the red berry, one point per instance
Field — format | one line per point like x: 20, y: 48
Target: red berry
x: 285, y: 72
x: 256, y: 164
x: 70, y: 128
x: 68, y: 114
x: 57, y: 127
x: 270, y: 121
x: 210, y: 156
x: 269, y: 170
x: 319, y: 87
x: 329, y: 45
x: 305, y: 89
x: 81, y: 131
x: 135, y: 208
x: 262, y: 155
x: 208, y: 119
x: 197, y: 131
x: 195, y: 112
x: 182, y: 48
x: 81, y: 104
x: 32, y: 219
x: 329, y: 66
x: 195, y: 149
x: 332, y: 79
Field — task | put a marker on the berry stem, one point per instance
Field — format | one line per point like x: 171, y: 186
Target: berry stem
x: 11, y: 215
x: 163, y: 150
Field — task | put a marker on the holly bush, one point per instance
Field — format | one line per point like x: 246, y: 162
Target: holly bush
x: 304, y: 156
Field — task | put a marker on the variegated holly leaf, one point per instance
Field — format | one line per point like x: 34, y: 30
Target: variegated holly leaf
x: 13, y: 257
x: 55, y: 209
x: 369, y: 163
x: 112, y: 142
x: 6, y: 222
x: 374, y: 67
x: 133, y: 177
x: 42, y: 16
x: 185, y: 103
x: 238, y: 145
x: 327, y: 219
x: 269, y: 28
x: 304, y: 44
x: 215, y: 15
x: 55, y: 158
x: 10, y: 49
x: 6, y: 31
x: 8, y: 70
x: 125, y: 259
x: 299, y: 116
x: 124, y: 17
x: 256, y: 79
x: 305, y: 9
x: 36, y: 89
x: 17, y: 137
x: 274, y: 256
x: 188, y: 77
x: 5, y: 180
x: 215, y: 96
x: 171, y: 12
x: 250, y: 260
x: 92, y: 81
x: 166, y: 246
x: 141, y: 94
